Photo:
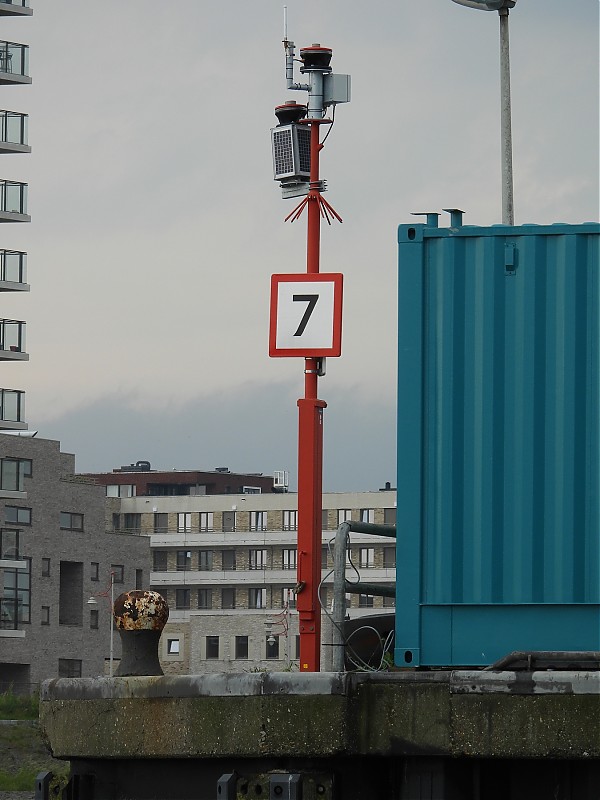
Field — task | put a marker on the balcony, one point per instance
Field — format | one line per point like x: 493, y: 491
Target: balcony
x: 13, y: 202
x: 14, y: 62
x: 13, y: 271
x: 12, y: 410
x: 12, y: 340
x: 15, y: 8
x: 14, y: 128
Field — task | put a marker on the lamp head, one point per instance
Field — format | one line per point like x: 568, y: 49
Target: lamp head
x: 487, y: 5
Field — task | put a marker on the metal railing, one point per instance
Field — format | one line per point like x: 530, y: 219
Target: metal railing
x: 13, y: 266
x: 12, y: 405
x: 13, y: 197
x: 341, y: 586
x: 14, y: 127
x: 12, y: 335
x: 14, y: 58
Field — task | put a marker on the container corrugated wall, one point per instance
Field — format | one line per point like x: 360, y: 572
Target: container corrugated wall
x: 498, y: 442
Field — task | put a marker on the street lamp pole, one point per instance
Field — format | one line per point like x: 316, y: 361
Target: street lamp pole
x: 502, y: 7
x: 93, y: 602
x: 508, y: 210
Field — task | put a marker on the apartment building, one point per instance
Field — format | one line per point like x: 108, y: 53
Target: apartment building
x: 56, y: 554
x: 226, y: 564
x: 14, y: 72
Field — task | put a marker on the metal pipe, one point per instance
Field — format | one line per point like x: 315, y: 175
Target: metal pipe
x: 340, y: 584
x: 508, y: 211
x: 547, y: 655
x: 376, y: 589
x: 112, y: 623
x: 339, y: 595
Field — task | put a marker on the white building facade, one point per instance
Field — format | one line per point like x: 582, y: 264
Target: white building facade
x: 226, y: 564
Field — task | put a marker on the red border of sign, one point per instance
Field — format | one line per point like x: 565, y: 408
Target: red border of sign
x: 327, y: 277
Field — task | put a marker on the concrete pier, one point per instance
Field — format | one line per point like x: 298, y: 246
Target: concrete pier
x: 465, y: 735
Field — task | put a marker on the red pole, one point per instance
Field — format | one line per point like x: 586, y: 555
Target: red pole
x: 310, y: 455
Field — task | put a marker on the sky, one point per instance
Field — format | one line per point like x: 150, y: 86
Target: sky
x: 156, y: 223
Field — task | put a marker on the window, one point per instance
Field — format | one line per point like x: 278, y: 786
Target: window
x: 69, y: 668
x: 116, y: 522
x: 228, y: 559
x: 184, y: 523
x: 18, y: 515
x: 204, y: 598
x: 241, y: 647
x: 205, y: 560
x: 118, y: 571
x: 251, y: 490
x: 389, y: 602
x: 257, y: 598
x: 45, y: 567
x: 184, y: 560
x: 12, y: 473
x: 288, y: 596
x: 159, y: 560
x: 297, y: 646
x: 9, y: 544
x: 94, y: 614
x: 206, y: 521
x: 139, y: 579
x: 389, y: 557
x: 272, y: 646
x: 258, y: 520
x: 95, y: 571
x: 121, y: 490
x: 365, y: 601
x: 367, y: 515
x: 15, y: 594
x: 289, y: 558
x: 389, y: 516
x: 343, y: 515
x: 133, y: 522
x: 290, y: 520
x: 257, y: 559
x: 173, y: 647
x: 182, y: 597
x: 228, y: 521
x: 161, y: 523
x: 324, y: 557
x: 212, y: 646
x: 367, y: 557
x: 45, y: 615
x: 228, y: 598
x: 70, y: 521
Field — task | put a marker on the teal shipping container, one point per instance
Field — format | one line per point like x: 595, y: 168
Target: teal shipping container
x: 498, y: 517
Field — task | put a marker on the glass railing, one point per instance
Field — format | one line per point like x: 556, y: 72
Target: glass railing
x: 14, y: 58
x: 12, y: 335
x: 13, y: 266
x: 13, y: 127
x: 13, y: 197
x: 22, y: 3
x: 12, y: 405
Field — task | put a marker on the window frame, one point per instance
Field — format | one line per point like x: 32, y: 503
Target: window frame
x: 183, y: 598
x: 212, y: 644
x: 289, y: 558
x: 242, y: 648
x: 257, y: 558
x: 118, y: 573
x: 69, y: 520
x: 18, y: 521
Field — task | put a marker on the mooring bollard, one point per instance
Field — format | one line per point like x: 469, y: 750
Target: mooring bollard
x: 140, y: 617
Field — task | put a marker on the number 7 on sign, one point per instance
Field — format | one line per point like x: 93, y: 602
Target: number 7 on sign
x: 306, y: 315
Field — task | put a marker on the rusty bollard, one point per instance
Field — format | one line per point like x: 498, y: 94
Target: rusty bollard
x: 140, y: 617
